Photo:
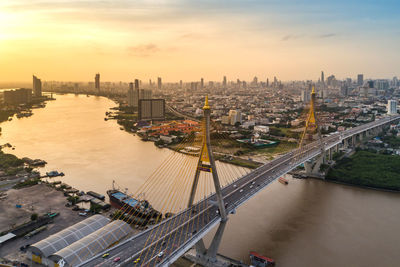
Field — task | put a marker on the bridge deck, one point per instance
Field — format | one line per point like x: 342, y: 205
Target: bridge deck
x: 184, y: 229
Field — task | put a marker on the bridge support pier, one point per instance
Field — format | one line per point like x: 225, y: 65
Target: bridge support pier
x: 312, y: 168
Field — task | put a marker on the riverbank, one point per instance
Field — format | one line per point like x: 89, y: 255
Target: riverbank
x: 7, y: 112
x: 368, y: 169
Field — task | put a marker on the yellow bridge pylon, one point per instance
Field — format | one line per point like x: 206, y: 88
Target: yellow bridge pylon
x: 311, y: 129
x: 312, y: 125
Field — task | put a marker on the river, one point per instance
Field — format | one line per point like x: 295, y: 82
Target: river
x: 306, y: 223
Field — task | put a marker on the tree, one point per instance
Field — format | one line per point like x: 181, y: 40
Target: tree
x: 34, y: 216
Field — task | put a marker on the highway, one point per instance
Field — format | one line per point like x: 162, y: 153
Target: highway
x: 177, y: 234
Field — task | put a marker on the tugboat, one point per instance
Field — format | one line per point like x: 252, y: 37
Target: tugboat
x: 120, y: 200
x: 258, y: 260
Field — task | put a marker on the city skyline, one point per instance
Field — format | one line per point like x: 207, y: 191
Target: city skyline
x: 188, y: 40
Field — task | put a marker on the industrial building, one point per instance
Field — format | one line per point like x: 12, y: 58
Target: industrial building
x: 78, y: 242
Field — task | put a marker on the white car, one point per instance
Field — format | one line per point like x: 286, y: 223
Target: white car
x: 241, y: 190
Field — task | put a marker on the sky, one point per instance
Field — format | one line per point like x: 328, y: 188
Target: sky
x: 71, y: 40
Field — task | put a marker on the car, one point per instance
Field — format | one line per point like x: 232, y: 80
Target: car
x: 241, y: 190
x: 163, y: 243
x: 82, y: 214
x: 137, y: 260
x: 251, y: 186
x: 253, y: 182
x: 160, y: 256
x: 235, y: 185
x: 117, y: 259
x: 105, y: 255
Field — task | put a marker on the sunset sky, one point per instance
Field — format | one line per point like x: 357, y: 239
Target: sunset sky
x: 71, y: 40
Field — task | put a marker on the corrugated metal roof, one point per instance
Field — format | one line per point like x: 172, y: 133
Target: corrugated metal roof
x: 68, y: 236
x: 93, y: 244
x: 6, y: 237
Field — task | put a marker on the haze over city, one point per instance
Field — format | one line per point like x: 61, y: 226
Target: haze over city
x: 293, y: 40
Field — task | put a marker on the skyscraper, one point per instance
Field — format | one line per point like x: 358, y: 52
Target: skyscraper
x: 131, y: 100
x: 37, y: 86
x: 360, y: 79
x: 255, y: 81
x: 392, y: 107
x: 97, y: 82
x: 159, y: 83
x: 267, y: 82
x: 322, y: 77
x: 224, y: 82
x: 201, y: 83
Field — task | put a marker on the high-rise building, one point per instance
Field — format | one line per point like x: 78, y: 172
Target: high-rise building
x: 201, y: 83
x: 224, y: 82
x: 145, y: 94
x: 235, y: 116
x: 159, y: 83
x: 382, y: 84
x: 360, y: 79
x: 395, y: 81
x: 322, y: 77
x: 131, y: 96
x: 97, y: 82
x: 180, y: 84
x: 344, y: 90
x: 267, y: 82
x: 392, y: 107
x: 330, y: 81
x: 255, y: 81
x: 151, y: 109
x: 16, y: 97
x: 37, y: 86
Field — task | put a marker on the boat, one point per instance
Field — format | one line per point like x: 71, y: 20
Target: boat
x: 120, y: 200
x: 54, y: 174
x: 96, y: 195
x: 283, y: 180
x: 258, y: 260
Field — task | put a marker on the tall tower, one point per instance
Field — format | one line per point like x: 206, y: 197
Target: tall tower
x: 360, y: 79
x: 322, y: 77
x: 97, y: 82
x: 224, y: 82
x: 159, y: 83
x: 36, y: 86
x: 136, y: 96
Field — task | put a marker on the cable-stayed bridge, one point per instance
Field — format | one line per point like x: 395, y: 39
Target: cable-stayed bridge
x: 166, y: 241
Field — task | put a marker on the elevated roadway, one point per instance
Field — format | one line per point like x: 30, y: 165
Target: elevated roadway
x: 177, y: 234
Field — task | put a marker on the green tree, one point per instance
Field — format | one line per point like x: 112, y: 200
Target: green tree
x: 34, y: 216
